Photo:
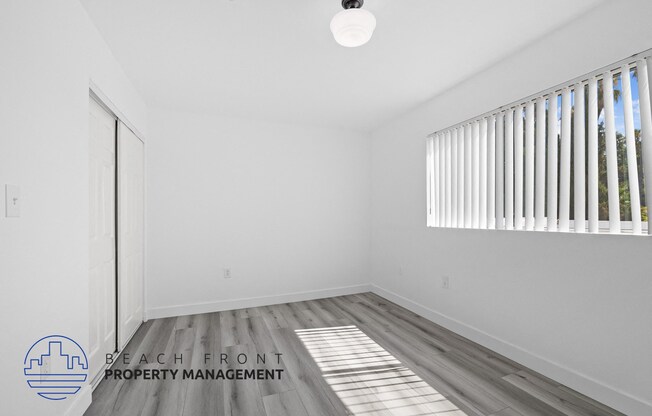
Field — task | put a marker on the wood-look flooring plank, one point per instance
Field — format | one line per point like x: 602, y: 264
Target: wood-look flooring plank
x: 315, y: 393
x: 351, y: 364
x: 293, y: 317
x: 423, y: 342
x: 323, y: 314
x: 356, y: 354
x: 496, y: 390
x: 263, y: 345
x: 167, y: 398
x: 326, y: 306
x: 418, y: 323
x: 242, y: 397
x: 248, y: 312
x: 286, y: 403
x: 125, y: 397
x: 205, y: 397
x: 507, y: 412
x: 106, y: 392
x: 496, y: 387
x: 463, y: 393
x: 590, y: 401
x: 304, y: 316
x: 233, y: 329
x: 538, y: 391
x: 273, y: 317
x: 372, y: 300
x: 133, y: 391
x: 186, y: 321
x: 567, y: 397
x: 364, y: 401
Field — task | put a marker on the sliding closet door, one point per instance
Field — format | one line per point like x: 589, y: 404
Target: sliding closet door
x: 130, y: 230
x: 102, y: 236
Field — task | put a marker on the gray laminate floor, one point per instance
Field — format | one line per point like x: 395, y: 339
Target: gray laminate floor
x: 358, y: 354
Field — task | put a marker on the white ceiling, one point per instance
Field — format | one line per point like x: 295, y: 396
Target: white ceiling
x: 276, y: 59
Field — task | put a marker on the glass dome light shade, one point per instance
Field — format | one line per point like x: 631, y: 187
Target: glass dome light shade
x: 353, y: 27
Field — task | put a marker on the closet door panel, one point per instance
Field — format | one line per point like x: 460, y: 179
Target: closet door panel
x: 102, y: 261
x: 130, y: 229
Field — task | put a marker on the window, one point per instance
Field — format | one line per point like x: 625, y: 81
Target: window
x: 571, y: 158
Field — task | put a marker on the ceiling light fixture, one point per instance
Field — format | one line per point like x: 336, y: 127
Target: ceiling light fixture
x: 353, y: 26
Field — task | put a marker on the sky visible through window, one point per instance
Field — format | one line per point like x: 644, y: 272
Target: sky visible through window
x: 619, y: 109
x: 619, y: 123
x: 535, y: 183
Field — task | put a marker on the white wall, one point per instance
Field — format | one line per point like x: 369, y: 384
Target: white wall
x: 574, y: 307
x: 50, y: 52
x: 284, y: 207
x: 227, y: 193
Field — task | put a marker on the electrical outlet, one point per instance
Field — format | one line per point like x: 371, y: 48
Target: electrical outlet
x: 445, y: 282
x: 227, y: 273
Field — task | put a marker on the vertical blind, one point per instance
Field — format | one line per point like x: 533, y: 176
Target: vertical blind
x: 571, y: 158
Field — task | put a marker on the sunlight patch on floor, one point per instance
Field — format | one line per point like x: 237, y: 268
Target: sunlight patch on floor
x: 368, y: 379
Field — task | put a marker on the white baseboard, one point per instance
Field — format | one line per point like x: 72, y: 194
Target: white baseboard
x: 608, y: 395
x: 82, y: 400
x: 225, y: 305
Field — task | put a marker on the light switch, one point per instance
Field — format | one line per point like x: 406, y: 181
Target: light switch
x: 12, y: 201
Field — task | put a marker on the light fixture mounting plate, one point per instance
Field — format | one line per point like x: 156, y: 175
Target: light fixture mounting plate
x: 352, y: 4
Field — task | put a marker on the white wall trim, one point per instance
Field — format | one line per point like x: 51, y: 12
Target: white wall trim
x: 106, y: 101
x: 606, y: 394
x: 225, y: 305
x: 81, y: 403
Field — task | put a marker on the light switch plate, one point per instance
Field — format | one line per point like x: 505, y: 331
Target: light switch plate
x: 12, y: 201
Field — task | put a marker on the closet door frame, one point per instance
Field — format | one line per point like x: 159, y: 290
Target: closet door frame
x: 103, y: 100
